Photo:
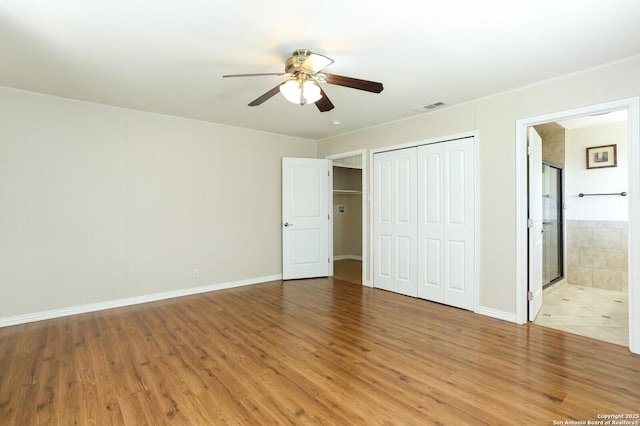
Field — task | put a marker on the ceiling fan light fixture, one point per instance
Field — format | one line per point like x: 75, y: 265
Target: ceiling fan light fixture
x: 301, y: 92
x: 304, y: 70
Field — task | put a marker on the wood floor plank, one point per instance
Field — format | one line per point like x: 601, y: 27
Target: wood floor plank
x: 318, y: 351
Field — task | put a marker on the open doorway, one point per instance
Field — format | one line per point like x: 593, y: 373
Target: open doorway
x: 590, y: 299
x: 349, y: 204
x: 590, y: 217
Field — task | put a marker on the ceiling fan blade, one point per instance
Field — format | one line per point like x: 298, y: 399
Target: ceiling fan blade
x: 316, y: 63
x: 324, y: 104
x: 254, y: 75
x: 354, y: 83
x: 271, y: 93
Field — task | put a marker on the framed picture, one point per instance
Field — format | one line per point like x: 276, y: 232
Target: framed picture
x: 602, y: 156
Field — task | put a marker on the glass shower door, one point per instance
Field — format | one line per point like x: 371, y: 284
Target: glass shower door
x: 552, y: 238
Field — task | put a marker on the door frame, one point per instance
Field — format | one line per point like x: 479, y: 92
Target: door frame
x: 534, y: 222
x: 632, y: 105
x: 365, y: 197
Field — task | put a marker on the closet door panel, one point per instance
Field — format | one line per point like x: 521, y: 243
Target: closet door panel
x: 432, y: 183
x: 455, y: 187
x: 432, y: 262
x: 405, y: 226
x: 403, y: 259
x: 455, y: 261
x: 430, y: 226
x: 385, y: 271
x: 384, y: 236
x: 395, y: 221
x: 384, y: 169
x: 404, y: 186
x: 459, y: 222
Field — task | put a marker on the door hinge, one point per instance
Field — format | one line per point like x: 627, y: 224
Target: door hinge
x: 529, y: 296
x: 529, y: 149
x: 529, y: 223
x: 328, y: 217
x: 328, y: 260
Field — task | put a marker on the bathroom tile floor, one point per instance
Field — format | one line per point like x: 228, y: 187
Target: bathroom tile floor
x: 592, y: 312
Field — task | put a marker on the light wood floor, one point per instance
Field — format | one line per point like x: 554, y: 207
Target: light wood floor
x: 316, y: 351
x: 348, y: 270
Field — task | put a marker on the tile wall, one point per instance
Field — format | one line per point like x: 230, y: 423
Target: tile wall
x: 597, y: 254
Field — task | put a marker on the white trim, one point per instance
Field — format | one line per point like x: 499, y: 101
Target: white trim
x: 363, y: 154
x: 477, y: 221
x: 330, y: 213
x: 633, y: 107
x: 494, y: 313
x: 371, y: 254
x: 634, y: 224
x: 93, y: 307
x: 413, y: 144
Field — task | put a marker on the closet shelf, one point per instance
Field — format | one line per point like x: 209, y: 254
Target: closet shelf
x: 346, y: 191
x: 348, y: 166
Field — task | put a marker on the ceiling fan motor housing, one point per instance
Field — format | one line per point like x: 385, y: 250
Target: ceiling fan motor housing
x: 292, y: 65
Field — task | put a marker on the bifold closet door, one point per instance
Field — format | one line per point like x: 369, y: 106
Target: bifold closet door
x: 395, y: 221
x: 446, y: 222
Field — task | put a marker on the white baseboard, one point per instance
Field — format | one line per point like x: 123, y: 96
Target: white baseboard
x: 494, y: 313
x: 347, y: 256
x: 93, y: 307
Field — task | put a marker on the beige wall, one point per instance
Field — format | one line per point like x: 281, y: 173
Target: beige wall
x: 597, y: 181
x: 495, y: 119
x: 347, y: 226
x: 100, y: 204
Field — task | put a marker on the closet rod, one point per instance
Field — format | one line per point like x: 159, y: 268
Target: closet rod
x: 623, y: 194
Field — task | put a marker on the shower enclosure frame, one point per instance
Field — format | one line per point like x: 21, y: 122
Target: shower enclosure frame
x: 560, y: 228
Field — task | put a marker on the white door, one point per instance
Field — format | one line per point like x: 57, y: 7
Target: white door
x: 383, y: 221
x: 430, y: 223
x: 395, y: 225
x: 535, y: 223
x: 446, y: 223
x: 306, y: 218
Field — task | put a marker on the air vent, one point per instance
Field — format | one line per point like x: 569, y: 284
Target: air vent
x: 429, y: 107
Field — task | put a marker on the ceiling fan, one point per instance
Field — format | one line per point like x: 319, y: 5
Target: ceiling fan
x: 305, y: 71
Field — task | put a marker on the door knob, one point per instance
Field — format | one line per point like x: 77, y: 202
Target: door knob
x: 288, y: 224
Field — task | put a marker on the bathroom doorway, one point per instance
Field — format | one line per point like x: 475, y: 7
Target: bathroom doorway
x: 585, y: 229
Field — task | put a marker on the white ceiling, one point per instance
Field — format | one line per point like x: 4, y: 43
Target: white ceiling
x: 169, y: 56
x: 595, y: 120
